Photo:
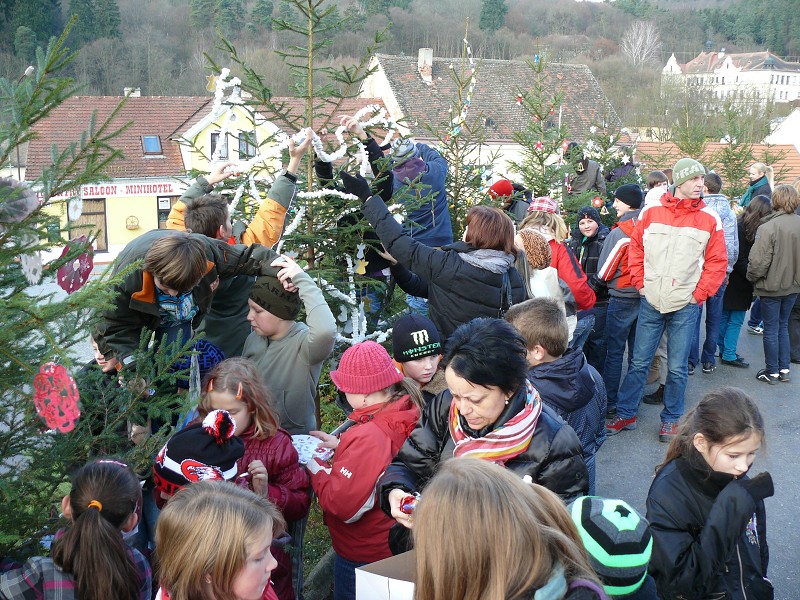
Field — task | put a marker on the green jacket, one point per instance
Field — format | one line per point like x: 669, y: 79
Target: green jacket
x: 774, y: 262
x: 135, y: 306
x: 226, y: 324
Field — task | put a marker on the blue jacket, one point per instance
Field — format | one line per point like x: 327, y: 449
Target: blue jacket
x: 428, y: 220
x: 574, y: 389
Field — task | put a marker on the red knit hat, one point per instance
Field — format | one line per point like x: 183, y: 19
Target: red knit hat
x: 500, y: 188
x: 365, y: 368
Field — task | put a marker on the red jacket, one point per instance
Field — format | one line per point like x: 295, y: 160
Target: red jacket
x: 346, y: 489
x: 288, y: 488
x: 569, y: 269
x: 677, y: 251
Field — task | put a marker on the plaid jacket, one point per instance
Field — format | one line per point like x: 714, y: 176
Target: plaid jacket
x: 40, y: 579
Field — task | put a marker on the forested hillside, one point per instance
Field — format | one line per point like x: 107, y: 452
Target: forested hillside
x: 158, y: 45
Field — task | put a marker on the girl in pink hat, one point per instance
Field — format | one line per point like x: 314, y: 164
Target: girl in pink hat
x: 386, y: 408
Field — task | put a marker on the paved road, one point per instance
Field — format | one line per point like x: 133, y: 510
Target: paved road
x: 626, y: 461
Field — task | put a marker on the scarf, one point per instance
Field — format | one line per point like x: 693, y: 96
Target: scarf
x: 504, y: 443
x: 748, y: 195
x: 494, y: 261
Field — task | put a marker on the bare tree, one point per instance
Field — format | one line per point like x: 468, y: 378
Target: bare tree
x: 641, y: 43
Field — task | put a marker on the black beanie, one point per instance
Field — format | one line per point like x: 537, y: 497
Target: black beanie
x: 413, y: 337
x: 200, y: 452
x: 630, y: 194
x: 589, y: 212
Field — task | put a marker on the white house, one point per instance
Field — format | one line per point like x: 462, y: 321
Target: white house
x: 746, y: 77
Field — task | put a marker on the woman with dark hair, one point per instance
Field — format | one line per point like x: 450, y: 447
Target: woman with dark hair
x: 739, y: 294
x: 774, y: 272
x: 491, y: 412
x: 471, y: 278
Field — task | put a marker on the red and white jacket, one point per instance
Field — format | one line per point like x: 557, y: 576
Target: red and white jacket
x: 346, y: 488
x: 677, y: 251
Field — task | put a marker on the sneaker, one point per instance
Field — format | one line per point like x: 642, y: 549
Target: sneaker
x: 757, y: 330
x: 769, y: 378
x: 668, y: 432
x: 739, y: 362
x: 691, y: 369
x: 656, y: 397
x: 709, y: 367
x: 617, y: 424
x: 784, y: 376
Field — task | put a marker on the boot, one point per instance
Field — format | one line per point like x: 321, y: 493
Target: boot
x: 656, y: 397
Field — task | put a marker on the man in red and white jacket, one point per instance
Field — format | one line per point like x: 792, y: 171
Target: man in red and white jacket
x: 677, y: 259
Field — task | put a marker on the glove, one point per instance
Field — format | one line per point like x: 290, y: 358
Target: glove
x: 357, y: 186
x: 384, y: 186
x: 760, y: 486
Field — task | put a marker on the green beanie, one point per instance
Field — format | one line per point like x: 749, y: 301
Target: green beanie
x: 685, y: 169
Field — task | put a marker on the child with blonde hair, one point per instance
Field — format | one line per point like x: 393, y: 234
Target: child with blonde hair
x: 269, y: 466
x: 213, y: 542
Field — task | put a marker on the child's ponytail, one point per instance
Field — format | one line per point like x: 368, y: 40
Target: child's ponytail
x: 103, y: 497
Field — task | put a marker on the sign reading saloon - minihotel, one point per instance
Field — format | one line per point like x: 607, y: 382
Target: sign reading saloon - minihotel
x: 129, y: 188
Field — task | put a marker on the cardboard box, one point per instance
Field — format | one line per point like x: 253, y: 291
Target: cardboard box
x: 388, y: 579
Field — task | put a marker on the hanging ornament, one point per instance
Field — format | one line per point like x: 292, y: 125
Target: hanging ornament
x: 17, y: 201
x: 535, y: 118
x: 342, y: 317
x: 56, y: 397
x: 31, y: 267
x: 539, y: 145
x: 597, y: 202
x: 361, y: 267
x: 360, y: 250
x: 73, y: 275
x: 74, y: 209
x: 211, y: 83
x: 519, y: 99
x: 604, y: 210
x: 564, y: 145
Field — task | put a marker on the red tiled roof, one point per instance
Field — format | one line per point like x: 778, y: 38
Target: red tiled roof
x: 165, y: 116
x: 786, y: 169
x: 151, y: 115
x: 708, y: 62
x: 495, y: 95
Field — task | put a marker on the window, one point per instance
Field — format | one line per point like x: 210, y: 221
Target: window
x: 223, y: 151
x: 164, y: 206
x: 151, y: 144
x: 247, y: 144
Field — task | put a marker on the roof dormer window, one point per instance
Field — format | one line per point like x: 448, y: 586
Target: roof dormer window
x: 152, y: 144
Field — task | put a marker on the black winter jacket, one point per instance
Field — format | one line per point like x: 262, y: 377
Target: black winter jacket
x: 457, y: 291
x: 553, y: 458
x: 576, y: 392
x: 739, y: 293
x: 587, y: 251
x: 709, y: 535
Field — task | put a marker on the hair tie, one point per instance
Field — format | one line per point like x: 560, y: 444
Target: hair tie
x: 95, y: 504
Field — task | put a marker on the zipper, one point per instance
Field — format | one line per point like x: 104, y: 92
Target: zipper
x: 741, y: 573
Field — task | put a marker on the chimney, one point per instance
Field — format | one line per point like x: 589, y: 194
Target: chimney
x: 425, y: 64
x: 132, y: 92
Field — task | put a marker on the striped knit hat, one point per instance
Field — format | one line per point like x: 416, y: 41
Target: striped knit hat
x: 618, y: 541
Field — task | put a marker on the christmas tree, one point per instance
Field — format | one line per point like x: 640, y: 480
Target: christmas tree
x: 51, y: 423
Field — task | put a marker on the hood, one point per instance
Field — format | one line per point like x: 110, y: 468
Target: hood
x: 565, y: 383
x: 681, y: 205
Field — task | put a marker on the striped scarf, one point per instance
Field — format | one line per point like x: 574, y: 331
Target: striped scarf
x: 505, y: 442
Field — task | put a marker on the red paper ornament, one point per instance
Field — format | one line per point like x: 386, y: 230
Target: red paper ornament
x: 74, y: 274
x: 597, y: 202
x: 56, y: 397
x: 564, y: 145
x: 539, y: 145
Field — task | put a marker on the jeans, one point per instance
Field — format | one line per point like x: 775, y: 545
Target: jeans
x: 729, y: 327
x: 344, y: 578
x: 775, y: 311
x: 679, y: 325
x: 297, y: 531
x: 582, y: 331
x: 794, y: 331
x: 417, y: 305
x: 146, y: 536
x: 713, y: 316
x: 755, y: 313
x: 620, y: 328
x: 595, y: 345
